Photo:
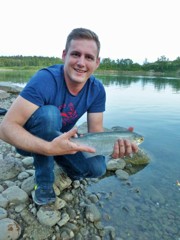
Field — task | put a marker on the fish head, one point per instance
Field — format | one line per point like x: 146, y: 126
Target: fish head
x: 138, y: 139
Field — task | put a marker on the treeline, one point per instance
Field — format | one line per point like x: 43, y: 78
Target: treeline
x: 29, y: 61
x: 161, y: 65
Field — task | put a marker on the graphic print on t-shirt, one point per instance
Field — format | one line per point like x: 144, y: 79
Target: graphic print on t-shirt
x: 68, y: 113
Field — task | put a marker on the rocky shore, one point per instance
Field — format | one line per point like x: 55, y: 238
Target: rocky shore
x: 75, y: 214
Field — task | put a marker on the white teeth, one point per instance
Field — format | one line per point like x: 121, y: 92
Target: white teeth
x: 80, y: 71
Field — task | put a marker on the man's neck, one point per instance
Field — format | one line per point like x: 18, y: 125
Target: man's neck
x: 74, y: 88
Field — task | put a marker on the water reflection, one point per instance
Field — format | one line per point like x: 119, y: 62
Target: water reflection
x: 160, y: 83
x: 16, y: 76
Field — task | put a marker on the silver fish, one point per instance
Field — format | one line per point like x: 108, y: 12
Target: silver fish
x: 103, y: 142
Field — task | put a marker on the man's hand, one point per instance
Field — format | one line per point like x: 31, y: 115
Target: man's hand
x: 62, y: 145
x: 123, y: 147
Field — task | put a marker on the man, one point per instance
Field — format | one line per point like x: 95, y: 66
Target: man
x: 40, y: 121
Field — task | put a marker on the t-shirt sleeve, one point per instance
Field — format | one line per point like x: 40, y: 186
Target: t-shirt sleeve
x: 39, y: 90
x: 98, y: 104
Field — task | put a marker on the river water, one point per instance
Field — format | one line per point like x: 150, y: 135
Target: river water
x: 147, y: 206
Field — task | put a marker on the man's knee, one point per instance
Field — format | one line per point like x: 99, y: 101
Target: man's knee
x: 49, y: 115
x: 45, y: 122
x: 98, y: 166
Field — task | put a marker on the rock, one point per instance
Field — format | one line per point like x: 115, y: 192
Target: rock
x: 28, y: 161
x: 92, y: 213
x: 28, y: 185
x: 68, y: 197
x: 34, y: 229
x: 3, y: 213
x: 1, y: 189
x: 23, y: 175
x: 114, y: 164
x: 138, y: 159
x: 4, y: 94
x: 10, y: 87
x: 122, y: 174
x: 60, y: 203
x: 15, y: 195
x: 62, y: 181
x: 9, y: 229
x: 66, y: 233
x: 3, y: 201
x: 64, y: 219
x: 10, y: 168
x: 48, y: 216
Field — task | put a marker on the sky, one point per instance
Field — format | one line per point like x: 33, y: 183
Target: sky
x: 136, y: 29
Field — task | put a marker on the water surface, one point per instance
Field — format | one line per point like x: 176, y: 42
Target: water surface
x: 147, y: 206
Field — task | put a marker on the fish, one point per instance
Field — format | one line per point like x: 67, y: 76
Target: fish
x: 103, y: 142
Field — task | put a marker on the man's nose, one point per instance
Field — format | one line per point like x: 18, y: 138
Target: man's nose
x: 81, y: 61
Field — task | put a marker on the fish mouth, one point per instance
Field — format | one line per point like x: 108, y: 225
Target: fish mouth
x: 140, y: 140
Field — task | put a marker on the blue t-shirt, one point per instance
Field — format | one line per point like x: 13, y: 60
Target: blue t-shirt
x: 48, y: 87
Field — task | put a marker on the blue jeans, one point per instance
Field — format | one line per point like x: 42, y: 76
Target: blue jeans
x: 46, y: 123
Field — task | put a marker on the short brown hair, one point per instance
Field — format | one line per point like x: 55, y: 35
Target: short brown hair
x: 82, y: 33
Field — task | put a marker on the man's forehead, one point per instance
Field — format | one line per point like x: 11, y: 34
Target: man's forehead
x: 83, y: 44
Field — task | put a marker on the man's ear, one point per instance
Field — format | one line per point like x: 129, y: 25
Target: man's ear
x: 98, y: 62
x: 63, y: 55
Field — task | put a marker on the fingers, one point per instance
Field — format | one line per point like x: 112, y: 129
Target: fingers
x: 74, y: 147
x: 123, y: 148
x: 134, y: 148
x: 71, y: 133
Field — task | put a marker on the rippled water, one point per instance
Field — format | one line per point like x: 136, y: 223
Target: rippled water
x: 148, y: 205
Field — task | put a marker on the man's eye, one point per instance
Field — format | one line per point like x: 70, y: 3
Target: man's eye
x: 75, y: 54
x: 90, y: 58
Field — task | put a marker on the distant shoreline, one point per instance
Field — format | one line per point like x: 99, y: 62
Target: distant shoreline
x: 101, y: 72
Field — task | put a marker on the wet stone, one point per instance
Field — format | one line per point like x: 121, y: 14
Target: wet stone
x: 122, y: 174
x: 92, y: 213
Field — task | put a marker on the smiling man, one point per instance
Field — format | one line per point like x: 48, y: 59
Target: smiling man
x: 40, y: 121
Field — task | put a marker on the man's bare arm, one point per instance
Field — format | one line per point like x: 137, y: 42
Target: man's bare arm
x: 95, y: 122
x: 12, y: 131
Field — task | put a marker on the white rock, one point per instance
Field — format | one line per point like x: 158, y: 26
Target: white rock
x: 115, y: 164
x: 9, y: 229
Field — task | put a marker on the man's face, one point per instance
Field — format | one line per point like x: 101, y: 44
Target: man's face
x: 80, y: 61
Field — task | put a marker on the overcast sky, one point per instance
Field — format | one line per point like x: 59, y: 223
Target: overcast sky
x: 135, y: 29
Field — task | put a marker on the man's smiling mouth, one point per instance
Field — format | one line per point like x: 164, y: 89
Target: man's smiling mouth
x: 79, y: 70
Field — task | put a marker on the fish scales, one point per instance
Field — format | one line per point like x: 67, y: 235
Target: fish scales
x: 103, y: 142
